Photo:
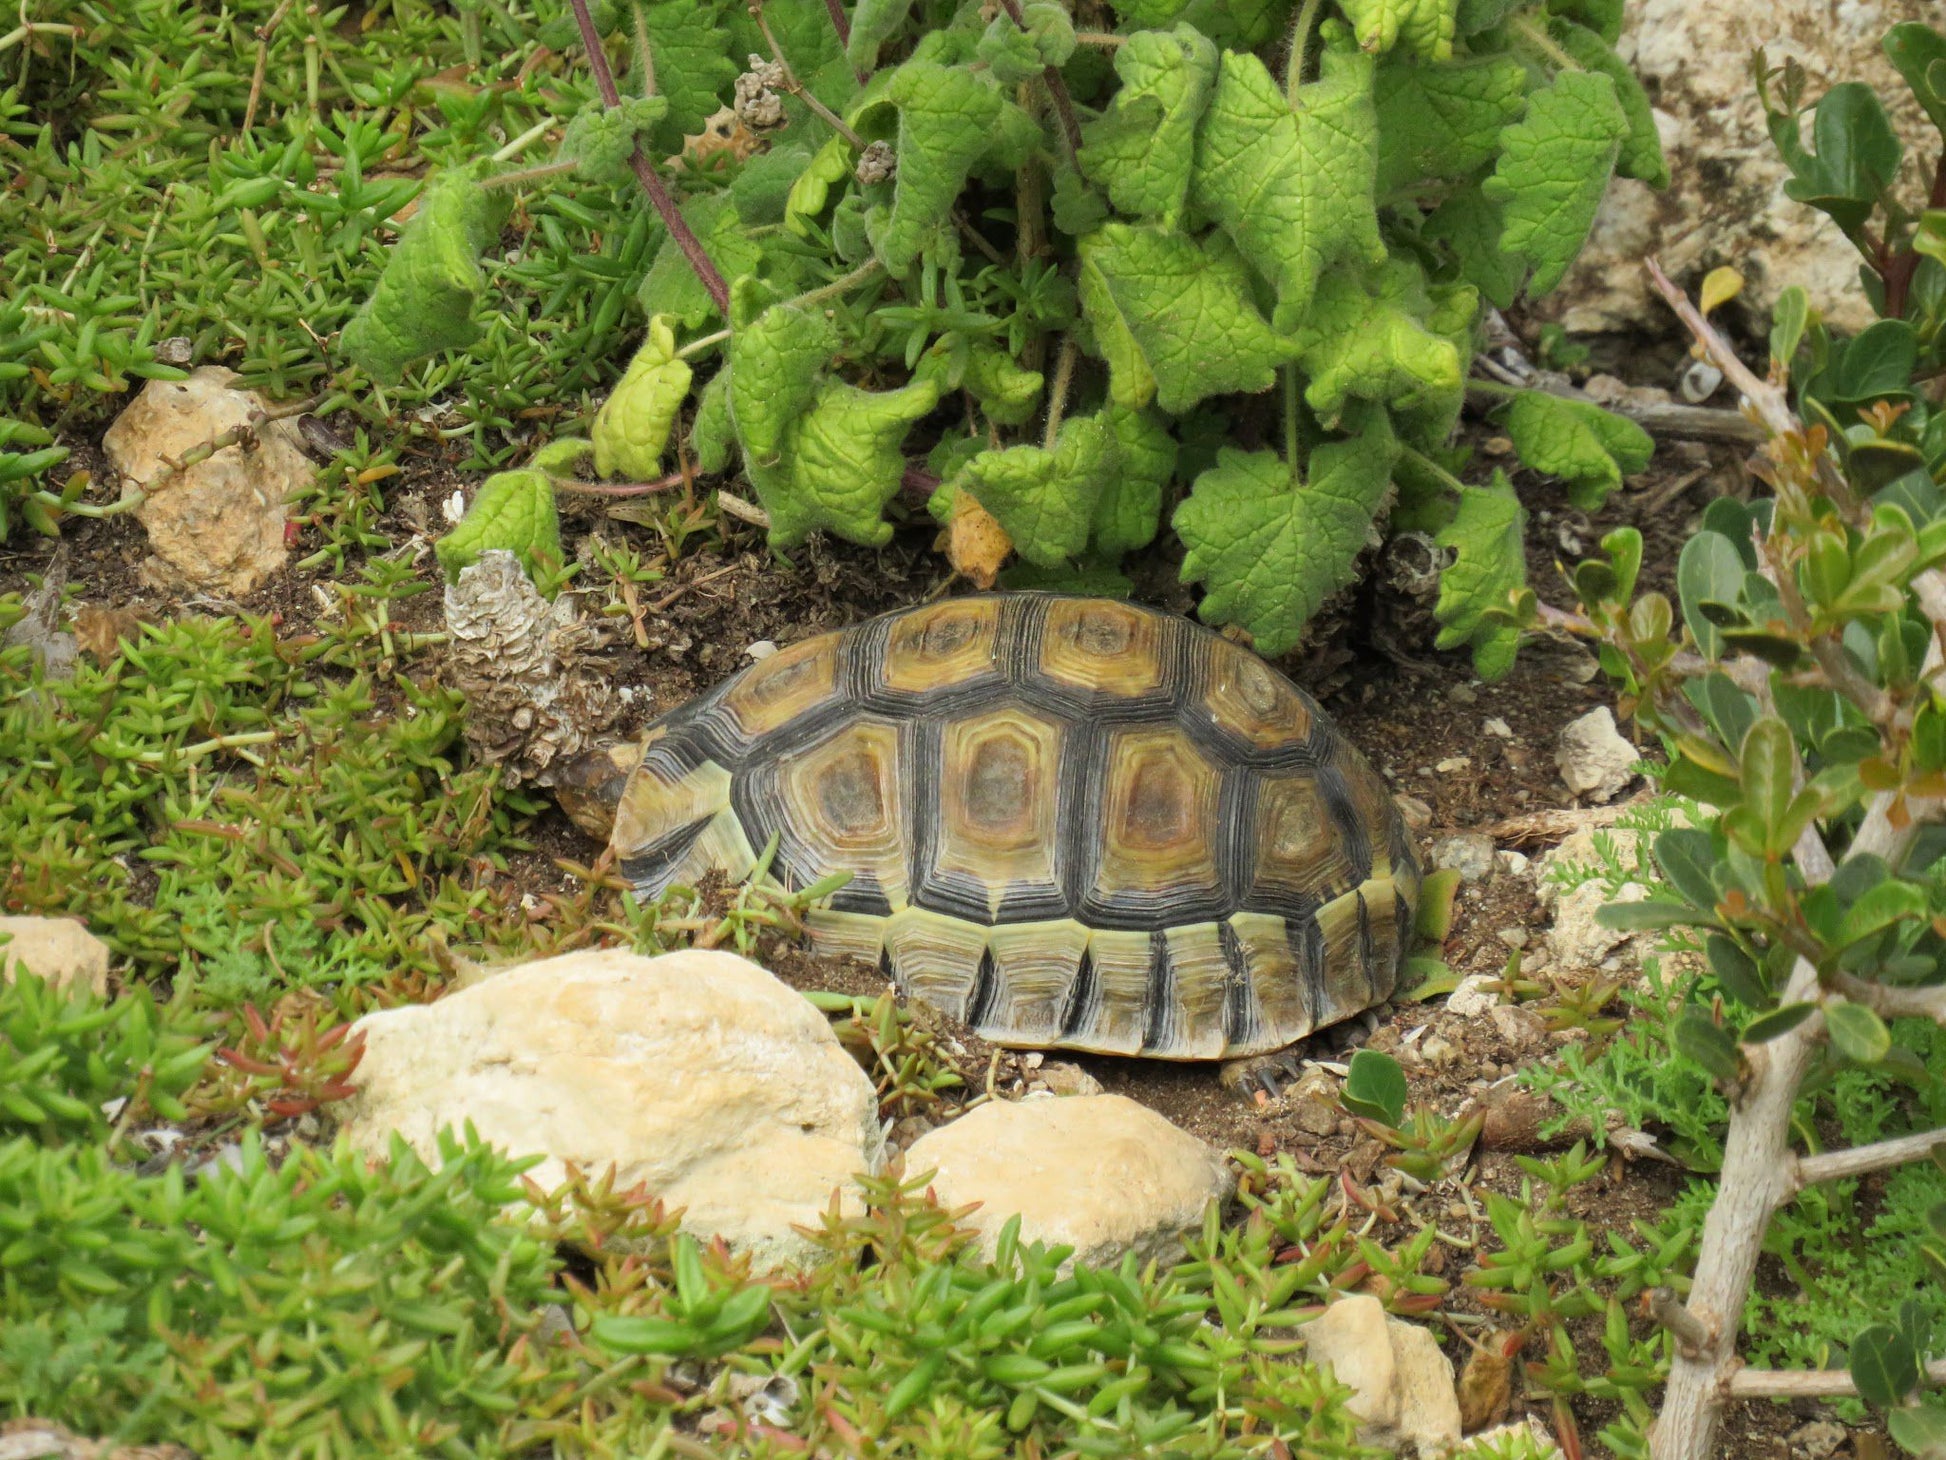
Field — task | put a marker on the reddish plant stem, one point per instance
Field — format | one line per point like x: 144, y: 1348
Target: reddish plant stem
x: 841, y: 24
x: 645, y: 173
x: 619, y: 489
x: 1057, y: 88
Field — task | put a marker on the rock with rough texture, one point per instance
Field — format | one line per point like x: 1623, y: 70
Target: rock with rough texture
x: 1469, y: 853
x: 1575, y: 941
x: 1594, y: 758
x: 60, y: 950
x: 1725, y: 203
x: 696, y: 1073
x: 1403, y: 1389
x: 1473, y: 995
x: 216, y: 525
x: 1097, y: 1172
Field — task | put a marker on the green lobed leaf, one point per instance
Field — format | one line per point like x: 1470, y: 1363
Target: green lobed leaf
x: 1046, y: 499
x: 1268, y: 547
x: 514, y: 511
x: 1131, y: 503
x: 1470, y: 224
x: 1553, y: 170
x: 671, y: 287
x: 1174, y: 320
x: 949, y: 117
x: 843, y: 462
x: 600, y: 139
x: 1143, y: 148
x: 1007, y: 391
x: 1295, y: 190
x: 1365, y: 336
x: 1487, y: 538
x: 1587, y: 447
x: 1444, y: 121
x: 632, y: 426
x: 423, y: 302
x: 710, y: 434
x: 763, y: 188
x: 775, y: 362
x: 1424, y: 26
x: 1641, y: 152
x: 829, y: 167
x: 693, y: 69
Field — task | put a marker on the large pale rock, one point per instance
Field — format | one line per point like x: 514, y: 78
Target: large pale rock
x: 1725, y: 203
x: 216, y: 525
x: 697, y: 1073
x: 1594, y: 758
x: 1098, y: 1172
x: 1403, y: 1388
x: 1575, y: 941
x: 60, y: 950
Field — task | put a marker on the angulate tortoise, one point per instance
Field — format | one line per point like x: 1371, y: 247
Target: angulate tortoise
x: 1070, y: 822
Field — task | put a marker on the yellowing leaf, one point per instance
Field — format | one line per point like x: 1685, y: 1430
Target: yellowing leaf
x: 633, y: 424
x: 514, y: 511
x: 1269, y: 547
x: 1293, y: 189
x: 1720, y: 286
x: 976, y: 543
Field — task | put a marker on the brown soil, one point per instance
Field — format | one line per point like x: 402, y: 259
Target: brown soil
x: 1419, y: 714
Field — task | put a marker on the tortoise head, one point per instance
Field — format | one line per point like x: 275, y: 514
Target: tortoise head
x: 589, y: 786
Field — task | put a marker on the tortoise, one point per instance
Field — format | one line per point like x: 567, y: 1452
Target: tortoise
x: 1070, y: 822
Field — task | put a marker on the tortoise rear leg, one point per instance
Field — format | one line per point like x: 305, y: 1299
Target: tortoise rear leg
x: 1261, y: 1076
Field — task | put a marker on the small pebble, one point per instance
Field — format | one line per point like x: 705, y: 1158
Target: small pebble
x: 1454, y: 764
x: 1513, y: 937
x: 1513, y: 864
x: 1497, y: 726
x: 762, y: 649
x: 1462, y: 694
x: 1417, y: 814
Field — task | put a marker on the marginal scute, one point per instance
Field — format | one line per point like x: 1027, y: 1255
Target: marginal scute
x: 662, y: 799
x: 840, y: 799
x: 1278, y: 976
x: 1247, y: 699
x: 1343, y: 924
x: 943, y: 646
x: 1120, y: 964
x: 1102, y: 646
x: 937, y: 957
x: 1034, y: 968
x: 1190, y: 1023
x: 784, y: 686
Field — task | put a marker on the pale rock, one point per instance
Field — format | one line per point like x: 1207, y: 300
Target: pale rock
x: 1469, y: 853
x: 217, y: 525
x: 1454, y: 764
x: 1315, y: 1118
x: 1098, y: 1172
x: 1593, y: 757
x: 1403, y: 1392
x: 1725, y: 203
x: 1473, y: 996
x: 1519, y: 1027
x: 1436, y: 1050
x: 1818, y: 1440
x: 1417, y: 814
x: 1063, y: 1077
x: 1513, y: 864
x: 697, y: 1074
x: 60, y: 950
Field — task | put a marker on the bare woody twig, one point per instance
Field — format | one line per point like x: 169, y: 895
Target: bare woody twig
x: 1860, y: 1160
x: 1805, y: 1383
x: 645, y: 173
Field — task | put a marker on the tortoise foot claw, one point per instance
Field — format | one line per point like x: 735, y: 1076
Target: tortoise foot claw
x: 1261, y: 1077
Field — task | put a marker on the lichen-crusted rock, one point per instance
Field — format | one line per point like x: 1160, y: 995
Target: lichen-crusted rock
x: 535, y: 695
x: 60, y: 950
x: 1097, y: 1172
x: 1725, y: 203
x: 1403, y: 1388
x: 697, y: 1073
x: 217, y: 525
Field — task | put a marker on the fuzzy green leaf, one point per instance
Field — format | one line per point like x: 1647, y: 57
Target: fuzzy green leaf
x: 775, y: 362
x: 1046, y: 499
x: 873, y: 23
x: 1143, y: 148
x: 513, y: 510
x: 1293, y: 189
x: 829, y: 168
x: 1486, y: 536
x: 1444, y: 121
x: 948, y: 118
x: 600, y: 139
x: 1641, y: 153
x: 843, y: 463
x: 423, y: 302
x: 1588, y: 448
x: 1127, y: 513
x: 1007, y: 391
x: 1174, y: 320
x: 1364, y: 337
x: 633, y: 424
x: 1270, y: 548
x: 693, y: 69
x: 711, y: 434
x: 671, y: 287
x: 1425, y: 26
x: 1470, y: 224
x: 1553, y: 170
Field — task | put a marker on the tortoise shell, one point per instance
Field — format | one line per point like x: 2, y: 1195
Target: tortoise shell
x: 1069, y: 822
